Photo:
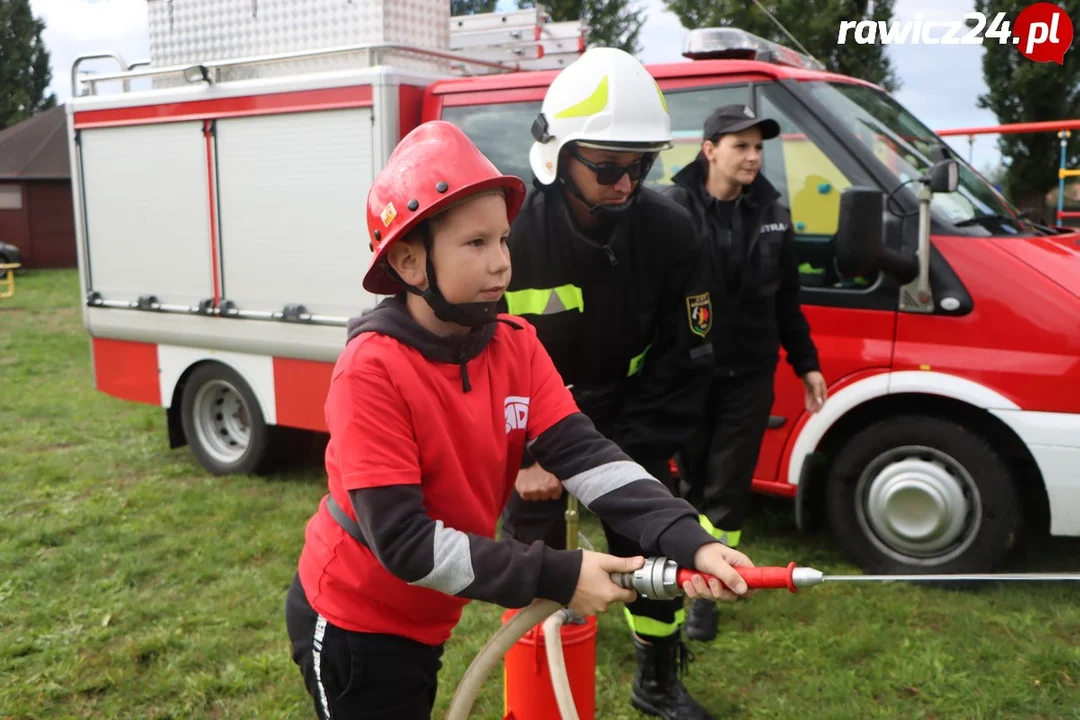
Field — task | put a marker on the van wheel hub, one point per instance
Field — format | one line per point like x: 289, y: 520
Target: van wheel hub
x: 918, y: 505
x: 221, y: 421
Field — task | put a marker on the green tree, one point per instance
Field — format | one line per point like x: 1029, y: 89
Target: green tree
x: 1021, y: 90
x: 814, y: 23
x: 24, y: 64
x: 471, y: 7
x: 611, y: 23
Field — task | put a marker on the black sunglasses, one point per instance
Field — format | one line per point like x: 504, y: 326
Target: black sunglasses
x: 611, y: 173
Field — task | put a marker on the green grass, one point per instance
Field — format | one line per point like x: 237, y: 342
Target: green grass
x: 134, y: 585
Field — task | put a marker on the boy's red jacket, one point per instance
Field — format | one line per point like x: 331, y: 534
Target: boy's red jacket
x: 426, y: 467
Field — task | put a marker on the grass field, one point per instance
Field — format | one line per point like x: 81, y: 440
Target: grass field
x: 134, y: 585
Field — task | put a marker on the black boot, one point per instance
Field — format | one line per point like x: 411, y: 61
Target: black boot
x: 701, y: 620
x: 657, y: 689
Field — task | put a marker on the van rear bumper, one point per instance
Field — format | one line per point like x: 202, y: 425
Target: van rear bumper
x: 1054, y: 442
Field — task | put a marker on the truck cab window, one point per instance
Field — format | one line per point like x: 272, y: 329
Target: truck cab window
x: 501, y: 131
x: 905, y: 146
x: 809, y: 184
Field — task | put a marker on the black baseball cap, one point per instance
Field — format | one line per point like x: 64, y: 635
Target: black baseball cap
x: 736, y: 118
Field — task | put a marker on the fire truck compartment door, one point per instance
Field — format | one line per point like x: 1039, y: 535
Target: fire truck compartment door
x: 293, y: 224
x: 147, y: 212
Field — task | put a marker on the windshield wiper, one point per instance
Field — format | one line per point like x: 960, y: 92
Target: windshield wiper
x: 981, y: 219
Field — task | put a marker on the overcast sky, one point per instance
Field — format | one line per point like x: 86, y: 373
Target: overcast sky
x: 940, y: 82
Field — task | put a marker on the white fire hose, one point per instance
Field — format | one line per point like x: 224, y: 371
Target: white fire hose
x: 553, y: 616
x: 492, y: 654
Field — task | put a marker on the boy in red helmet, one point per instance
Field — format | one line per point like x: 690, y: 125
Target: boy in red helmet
x: 430, y: 408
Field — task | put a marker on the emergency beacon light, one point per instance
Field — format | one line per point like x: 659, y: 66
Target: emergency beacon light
x: 735, y: 44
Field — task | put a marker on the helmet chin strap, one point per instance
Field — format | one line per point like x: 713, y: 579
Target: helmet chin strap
x: 473, y: 315
x: 606, y: 211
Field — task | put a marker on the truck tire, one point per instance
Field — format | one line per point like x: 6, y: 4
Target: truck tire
x: 918, y: 494
x: 223, y: 422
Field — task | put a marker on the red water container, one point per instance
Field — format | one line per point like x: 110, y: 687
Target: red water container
x: 527, y: 683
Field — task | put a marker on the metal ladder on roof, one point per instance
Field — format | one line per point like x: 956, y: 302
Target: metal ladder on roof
x: 484, y: 43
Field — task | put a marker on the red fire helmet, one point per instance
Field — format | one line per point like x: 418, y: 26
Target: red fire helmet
x: 433, y: 167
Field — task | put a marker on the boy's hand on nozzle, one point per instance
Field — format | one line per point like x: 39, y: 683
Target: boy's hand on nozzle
x: 718, y: 559
x: 595, y: 591
x: 536, y: 483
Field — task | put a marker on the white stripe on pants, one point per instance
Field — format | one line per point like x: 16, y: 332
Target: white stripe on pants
x: 316, y: 652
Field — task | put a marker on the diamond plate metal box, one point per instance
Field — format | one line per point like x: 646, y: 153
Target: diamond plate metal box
x: 196, y: 31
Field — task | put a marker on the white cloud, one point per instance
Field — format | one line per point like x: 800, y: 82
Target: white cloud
x: 662, y: 34
x: 82, y: 27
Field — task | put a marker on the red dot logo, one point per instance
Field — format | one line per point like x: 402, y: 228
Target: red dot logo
x: 1043, y: 32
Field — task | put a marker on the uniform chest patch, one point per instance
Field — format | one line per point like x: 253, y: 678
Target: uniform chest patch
x: 699, y: 313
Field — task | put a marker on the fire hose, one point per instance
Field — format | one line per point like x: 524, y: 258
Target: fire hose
x: 662, y: 579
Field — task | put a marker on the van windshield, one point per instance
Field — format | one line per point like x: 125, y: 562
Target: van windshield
x: 905, y: 146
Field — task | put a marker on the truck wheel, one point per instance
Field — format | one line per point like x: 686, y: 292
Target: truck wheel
x: 918, y: 494
x: 223, y: 422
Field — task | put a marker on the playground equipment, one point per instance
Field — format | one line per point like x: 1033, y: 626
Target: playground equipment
x: 7, y: 279
x: 1064, y: 172
x: 1063, y: 128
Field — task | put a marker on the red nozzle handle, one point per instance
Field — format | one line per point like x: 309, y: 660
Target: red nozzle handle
x: 757, y: 578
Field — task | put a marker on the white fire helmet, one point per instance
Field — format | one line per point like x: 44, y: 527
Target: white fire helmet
x: 605, y: 99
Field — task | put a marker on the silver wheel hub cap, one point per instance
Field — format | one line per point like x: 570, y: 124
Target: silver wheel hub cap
x: 918, y: 505
x: 222, y: 421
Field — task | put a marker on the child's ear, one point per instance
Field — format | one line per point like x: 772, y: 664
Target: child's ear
x: 409, y: 261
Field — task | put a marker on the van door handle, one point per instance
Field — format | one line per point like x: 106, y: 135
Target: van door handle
x: 776, y: 421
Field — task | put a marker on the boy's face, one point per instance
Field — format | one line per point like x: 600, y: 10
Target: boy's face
x: 469, y: 251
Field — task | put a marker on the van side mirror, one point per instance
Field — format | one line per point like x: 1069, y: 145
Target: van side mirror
x: 944, y: 176
x: 859, y: 242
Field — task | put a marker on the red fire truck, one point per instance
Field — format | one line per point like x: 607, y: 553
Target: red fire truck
x: 220, y: 218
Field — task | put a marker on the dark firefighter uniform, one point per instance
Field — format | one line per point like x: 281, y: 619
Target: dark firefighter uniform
x: 750, y: 245
x: 625, y: 313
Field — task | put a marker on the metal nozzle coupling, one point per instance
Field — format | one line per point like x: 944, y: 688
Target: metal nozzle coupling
x: 655, y: 580
x: 802, y: 577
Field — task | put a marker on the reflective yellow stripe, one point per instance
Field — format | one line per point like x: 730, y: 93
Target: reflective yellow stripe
x: 539, y: 301
x: 636, y: 362
x: 656, y: 628
x: 571, y: 297
x: 590, y: 105
x: 728, y: 537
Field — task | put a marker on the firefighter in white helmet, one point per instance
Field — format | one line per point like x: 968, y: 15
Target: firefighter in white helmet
x: 610, y: 274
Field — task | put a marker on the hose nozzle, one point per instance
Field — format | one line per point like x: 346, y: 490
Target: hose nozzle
x: 662, y: 579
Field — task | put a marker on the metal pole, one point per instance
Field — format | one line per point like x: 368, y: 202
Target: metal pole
x: 571, y: 522
x: 924, y: 247
x: 1064, y: 135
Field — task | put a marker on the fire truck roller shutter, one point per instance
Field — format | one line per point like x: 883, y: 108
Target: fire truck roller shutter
x: 147, y: 213
x: 293, y: 224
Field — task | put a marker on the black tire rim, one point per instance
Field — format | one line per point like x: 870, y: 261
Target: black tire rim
x: 918, y: 505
